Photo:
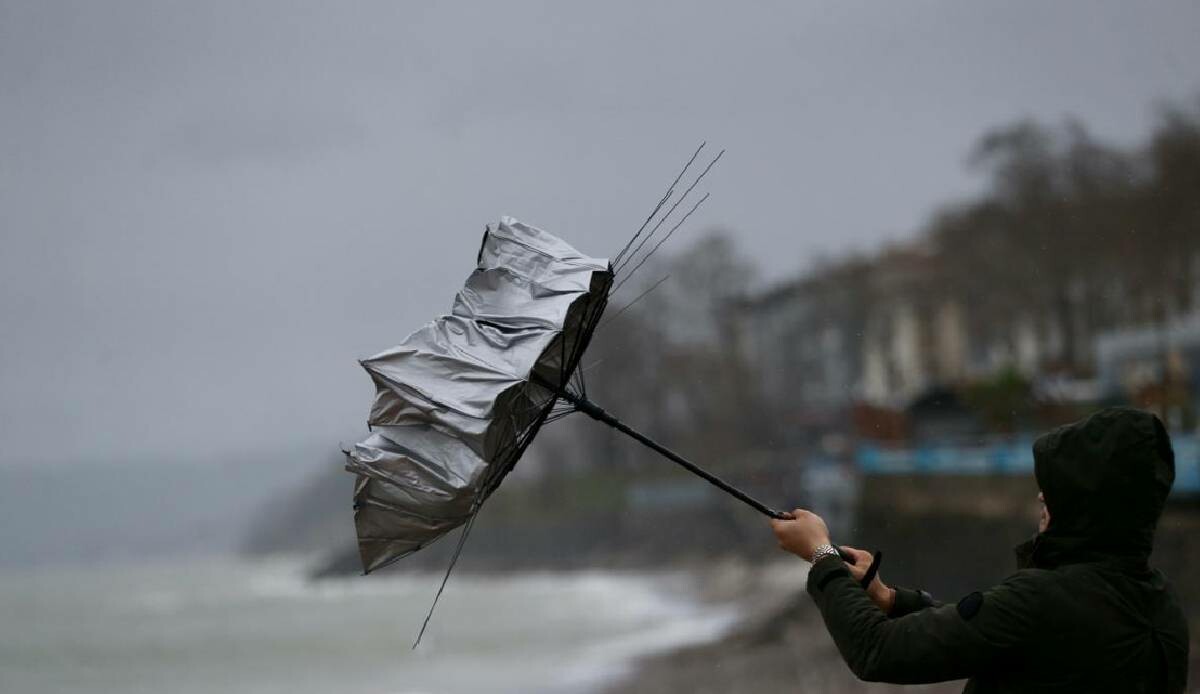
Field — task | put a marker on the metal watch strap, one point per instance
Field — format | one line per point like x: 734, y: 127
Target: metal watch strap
x: 823, y: 551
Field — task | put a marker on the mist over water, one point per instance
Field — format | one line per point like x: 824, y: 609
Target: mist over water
x: 262, y: 627
x: 134, y: 511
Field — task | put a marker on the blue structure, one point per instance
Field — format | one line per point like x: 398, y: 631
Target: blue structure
x: 1012, y: 457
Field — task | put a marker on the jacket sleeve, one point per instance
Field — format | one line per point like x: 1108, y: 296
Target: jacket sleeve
x: 928, y: 645
x: 909, y: 601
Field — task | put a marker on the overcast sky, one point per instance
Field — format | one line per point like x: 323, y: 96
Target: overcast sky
x: 210, y: 210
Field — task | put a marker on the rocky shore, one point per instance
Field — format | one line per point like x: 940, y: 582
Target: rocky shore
x: 779, y: 645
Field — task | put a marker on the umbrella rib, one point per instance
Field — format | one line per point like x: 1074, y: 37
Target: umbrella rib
x: 519, y: 443
x: 462, y: 541
x: 661, y: 202
x: 577, y: 381
x: 661, y: 242
x: 555, y: 417
x: 671, y: 211
x: 627, y: 306
x: 593, y: 365
x: 597, y: 310
x: 593, y: 313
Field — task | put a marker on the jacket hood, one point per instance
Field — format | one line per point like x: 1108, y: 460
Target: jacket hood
x: 1105, y: 480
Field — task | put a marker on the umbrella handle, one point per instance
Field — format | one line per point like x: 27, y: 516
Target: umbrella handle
x: 598, y: 413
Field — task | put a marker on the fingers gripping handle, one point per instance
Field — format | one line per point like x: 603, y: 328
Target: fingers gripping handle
x: 846, y: 556
x: 873, y: 569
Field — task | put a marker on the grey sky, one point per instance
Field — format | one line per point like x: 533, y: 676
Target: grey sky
x: 209, y: 210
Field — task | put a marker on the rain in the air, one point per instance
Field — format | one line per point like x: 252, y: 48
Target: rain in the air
x: 591, y: 349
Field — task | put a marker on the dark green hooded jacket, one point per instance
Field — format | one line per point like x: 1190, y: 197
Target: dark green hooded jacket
x: 1084, y: 613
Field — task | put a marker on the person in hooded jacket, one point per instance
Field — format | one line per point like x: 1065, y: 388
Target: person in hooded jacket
x: 1084, y: 612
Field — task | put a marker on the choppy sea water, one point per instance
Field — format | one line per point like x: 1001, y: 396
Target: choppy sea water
x: 260, y: 627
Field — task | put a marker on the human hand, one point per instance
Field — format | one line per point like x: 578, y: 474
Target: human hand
x: 880, y: 594
x: 801, y: 534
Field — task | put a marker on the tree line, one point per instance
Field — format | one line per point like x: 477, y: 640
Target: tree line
x: 1068, y: 237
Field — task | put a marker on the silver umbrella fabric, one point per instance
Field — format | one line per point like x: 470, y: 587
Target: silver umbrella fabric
x: 457, y: 401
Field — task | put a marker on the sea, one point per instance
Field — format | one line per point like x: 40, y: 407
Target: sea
x: 261, y: 627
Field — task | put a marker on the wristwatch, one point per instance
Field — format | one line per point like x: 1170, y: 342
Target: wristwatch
x: 823, y: 551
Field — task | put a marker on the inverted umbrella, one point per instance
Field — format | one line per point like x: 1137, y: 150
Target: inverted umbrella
x: 459, y: 400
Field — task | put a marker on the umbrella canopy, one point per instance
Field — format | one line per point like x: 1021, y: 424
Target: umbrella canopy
x: 457, y: 401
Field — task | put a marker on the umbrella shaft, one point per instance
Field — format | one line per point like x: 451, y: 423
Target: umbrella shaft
x: 596, y: 412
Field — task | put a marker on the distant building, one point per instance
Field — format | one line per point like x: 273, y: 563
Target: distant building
x: 805, y: 338
x: 872, y: 337
x: 915, y: 336
x: 1129, y: 358
x: 1163, y: 358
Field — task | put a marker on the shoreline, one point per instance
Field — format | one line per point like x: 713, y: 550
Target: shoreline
x: 777, y: 643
